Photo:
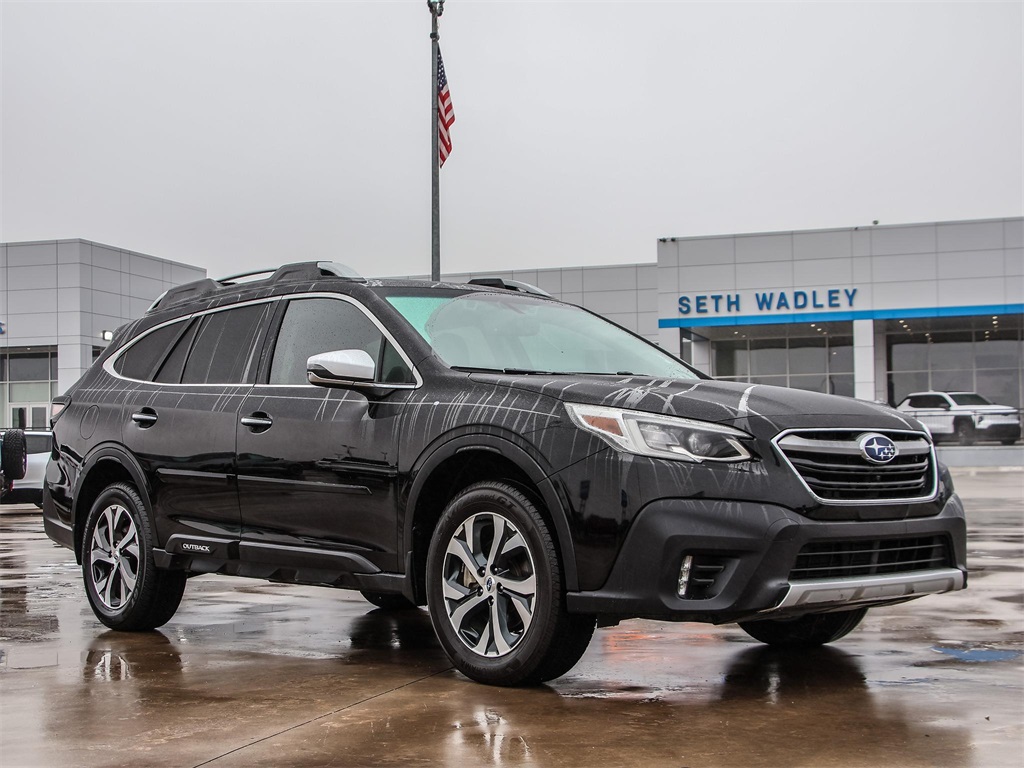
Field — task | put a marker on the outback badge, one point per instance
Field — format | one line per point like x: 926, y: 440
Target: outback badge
x: 878, y: 449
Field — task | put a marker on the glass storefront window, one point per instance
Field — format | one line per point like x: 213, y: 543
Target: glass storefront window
x: 816, y: 358
x: 953, y: 381
x: 981, y: 354
x: 1001, y: 386
x: 840, y: 354
x: 27, y: 392
x: 809, y: 383
x: 909, y: 354
x: 27, y: 385
x: 951, y: 351
x: 808, y: 356
x: 731, y: 358
x: 767, y: 357
x: 29, y: 366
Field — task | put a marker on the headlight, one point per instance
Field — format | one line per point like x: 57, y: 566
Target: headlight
x: 664, y: 437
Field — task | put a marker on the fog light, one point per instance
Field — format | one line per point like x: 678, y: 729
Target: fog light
x: 684, y: 575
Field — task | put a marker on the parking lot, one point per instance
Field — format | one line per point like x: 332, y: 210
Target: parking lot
x: 250, y: 673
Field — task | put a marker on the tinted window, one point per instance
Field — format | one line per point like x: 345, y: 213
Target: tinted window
x: 928, y: 401
x: 170, y: 371
x: 312, y: 326
x: 142, y: 357
x: 225, y: 350
x: 37, y: 443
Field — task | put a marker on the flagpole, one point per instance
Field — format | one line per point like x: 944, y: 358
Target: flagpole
x: 436, y: 9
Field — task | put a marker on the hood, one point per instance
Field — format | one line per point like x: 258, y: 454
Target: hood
x: 993, y: 409
x: 759, y: 409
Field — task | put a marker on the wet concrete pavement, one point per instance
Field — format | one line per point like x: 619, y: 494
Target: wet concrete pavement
x: 252, y: 674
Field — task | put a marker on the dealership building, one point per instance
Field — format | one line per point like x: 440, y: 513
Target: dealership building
x: 871, y: 312
x: 58, y: 300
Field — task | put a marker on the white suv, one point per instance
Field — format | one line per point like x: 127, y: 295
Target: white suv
x: 963, y: 416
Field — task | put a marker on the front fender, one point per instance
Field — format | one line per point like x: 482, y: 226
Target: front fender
x: 515, y: 449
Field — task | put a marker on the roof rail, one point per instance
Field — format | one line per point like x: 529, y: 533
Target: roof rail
x: 305, y: 270
x: 509, y: 285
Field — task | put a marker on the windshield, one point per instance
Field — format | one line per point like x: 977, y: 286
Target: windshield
x: 969, y: 398
x: 522, y: 334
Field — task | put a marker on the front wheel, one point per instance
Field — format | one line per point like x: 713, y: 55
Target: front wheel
x: 964, y: 432
x: 125, y: 588
x: 496, y: 593
x: 805, y: 631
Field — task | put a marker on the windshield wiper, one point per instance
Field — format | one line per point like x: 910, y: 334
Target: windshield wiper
x: 510, y: 371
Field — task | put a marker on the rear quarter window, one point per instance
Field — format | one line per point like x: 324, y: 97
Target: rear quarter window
x: 140, y: 360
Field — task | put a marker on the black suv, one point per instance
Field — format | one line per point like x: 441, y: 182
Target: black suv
x: 523, y: 467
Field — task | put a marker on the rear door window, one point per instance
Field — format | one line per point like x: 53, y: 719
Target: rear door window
x: 225, y: 350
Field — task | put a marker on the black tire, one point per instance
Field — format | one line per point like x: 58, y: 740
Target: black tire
x: 538, y: 639
x: 963, y: 430
x: 117, y: 546
x: 1007, y: 442
x: 805, y: 631
x: 388, y: 600
x: 14, y: 454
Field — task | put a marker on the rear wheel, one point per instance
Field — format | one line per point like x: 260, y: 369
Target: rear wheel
x: 125, y: 588
x: 810, y: 630
x: 13, y: 454
x: 496, y: 593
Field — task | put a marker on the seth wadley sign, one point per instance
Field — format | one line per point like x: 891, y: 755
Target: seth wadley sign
x: 749, y: 302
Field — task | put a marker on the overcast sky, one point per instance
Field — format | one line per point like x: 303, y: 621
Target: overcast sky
x: 240, y: 135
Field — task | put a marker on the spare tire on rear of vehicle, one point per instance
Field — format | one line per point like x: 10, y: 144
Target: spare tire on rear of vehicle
x: 14, y: 454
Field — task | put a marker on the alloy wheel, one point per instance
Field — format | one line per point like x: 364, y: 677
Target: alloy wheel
x: 114, y: 557
x: 490, y: 584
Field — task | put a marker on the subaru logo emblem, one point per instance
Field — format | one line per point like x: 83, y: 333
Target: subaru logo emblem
x: 878, y: 449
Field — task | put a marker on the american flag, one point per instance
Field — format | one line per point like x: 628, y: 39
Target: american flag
x: 445, y: 111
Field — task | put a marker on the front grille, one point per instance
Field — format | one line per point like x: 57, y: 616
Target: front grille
x: 870, y: 557
x: 835, y: 470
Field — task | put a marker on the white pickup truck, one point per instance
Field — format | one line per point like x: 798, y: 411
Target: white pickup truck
x: 963, y: 416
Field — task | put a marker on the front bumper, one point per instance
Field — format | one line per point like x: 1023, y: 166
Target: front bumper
x: 742, y: 557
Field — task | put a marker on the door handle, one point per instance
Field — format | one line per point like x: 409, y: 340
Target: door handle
x: 145, y: 418
x: 257, y: 422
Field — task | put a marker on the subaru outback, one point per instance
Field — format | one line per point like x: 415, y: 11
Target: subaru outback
x: 521, y: 466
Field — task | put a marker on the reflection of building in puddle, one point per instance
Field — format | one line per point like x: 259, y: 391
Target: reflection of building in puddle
x: 486, y: 738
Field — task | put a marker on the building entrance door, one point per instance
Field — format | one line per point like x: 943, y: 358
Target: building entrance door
x: 29, y: 415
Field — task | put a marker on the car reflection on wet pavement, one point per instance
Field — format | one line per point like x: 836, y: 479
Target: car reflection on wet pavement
x: 250, y: 673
